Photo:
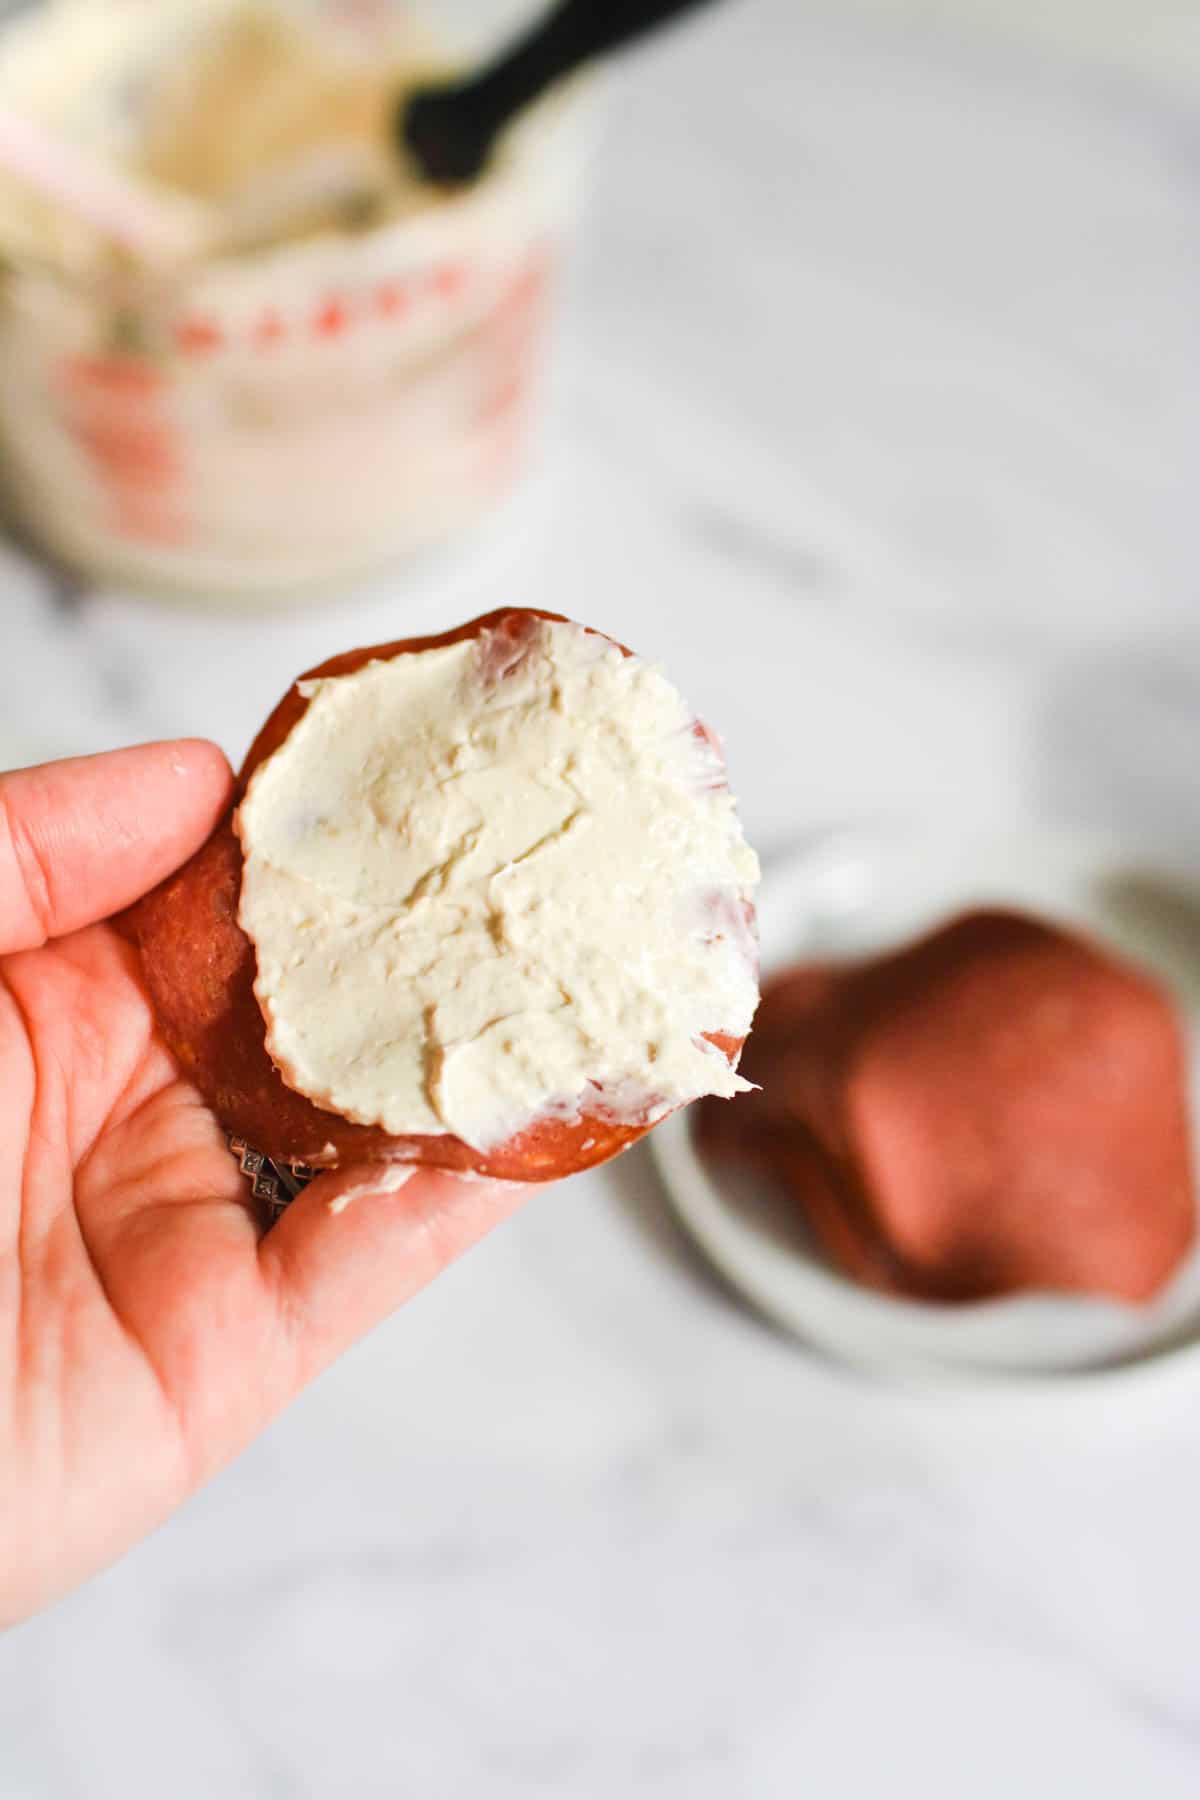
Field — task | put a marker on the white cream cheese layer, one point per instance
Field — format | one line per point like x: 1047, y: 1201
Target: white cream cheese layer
x: 490, y: 883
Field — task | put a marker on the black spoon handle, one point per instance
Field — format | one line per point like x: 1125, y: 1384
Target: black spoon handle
x: 450, y: 128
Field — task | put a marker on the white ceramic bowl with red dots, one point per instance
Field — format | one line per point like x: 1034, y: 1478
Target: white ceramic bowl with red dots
x: 261, y: 426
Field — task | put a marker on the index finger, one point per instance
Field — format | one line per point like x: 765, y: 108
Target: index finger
x: 83, y: 837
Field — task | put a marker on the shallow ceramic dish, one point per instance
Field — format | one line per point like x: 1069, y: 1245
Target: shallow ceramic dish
x: 856, y: 891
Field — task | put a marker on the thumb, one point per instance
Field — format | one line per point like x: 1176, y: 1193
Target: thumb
x: 354, y: 1246
x: 82, y: 838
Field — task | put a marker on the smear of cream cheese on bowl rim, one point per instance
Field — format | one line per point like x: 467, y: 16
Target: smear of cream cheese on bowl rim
x: 485, y: 889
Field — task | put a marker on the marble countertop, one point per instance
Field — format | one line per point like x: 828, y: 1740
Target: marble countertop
x: 875, y: 417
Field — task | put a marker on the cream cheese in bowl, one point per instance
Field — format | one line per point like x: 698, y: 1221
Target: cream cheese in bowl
x: 277, y: 421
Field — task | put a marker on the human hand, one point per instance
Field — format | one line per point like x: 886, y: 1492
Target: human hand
x: 148, y: 1327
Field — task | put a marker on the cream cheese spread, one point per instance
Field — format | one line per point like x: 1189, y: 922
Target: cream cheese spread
x: 496, y: 882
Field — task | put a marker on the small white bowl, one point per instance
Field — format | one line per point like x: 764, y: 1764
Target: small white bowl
x: 860, y: 890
